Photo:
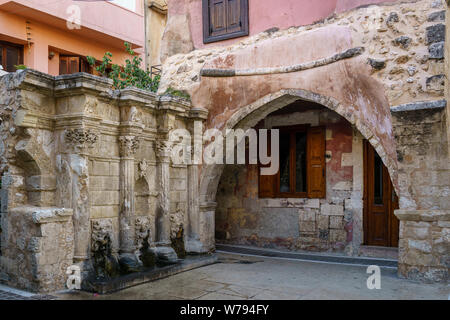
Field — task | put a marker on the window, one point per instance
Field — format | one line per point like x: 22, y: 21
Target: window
x: 224, y: 19
x: 302, y: 165
x: 73, y: 64
x: 10, y: 55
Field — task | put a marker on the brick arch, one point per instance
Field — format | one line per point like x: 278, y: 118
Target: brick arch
x: 248, y: 116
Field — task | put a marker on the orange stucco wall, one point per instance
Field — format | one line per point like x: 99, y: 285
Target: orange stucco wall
x: 48, y: 35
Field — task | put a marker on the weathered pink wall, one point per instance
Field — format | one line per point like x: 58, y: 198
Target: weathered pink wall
x: 266, y: 14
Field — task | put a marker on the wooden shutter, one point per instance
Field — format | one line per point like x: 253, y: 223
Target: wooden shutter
x: 69, y: 65
x: 267, y: 184
x: 85, y: 67
x: 74, y: 64
x: 12, y: 59
x: 234, y: 16
x: 63, y: 65
x: 316, y: 162
x: 218, y: 17
x: 224, y: 19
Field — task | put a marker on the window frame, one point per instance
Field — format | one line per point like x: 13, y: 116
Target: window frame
x: 292, y: 130
x: 82, y: 64
x: 309, y: 193
x: 3, y: 46
x: 208, y: 38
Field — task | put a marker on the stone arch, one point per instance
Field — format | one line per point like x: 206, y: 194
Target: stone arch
x: 251, y: 114
x: 38, y: 168
x: 143, y: 204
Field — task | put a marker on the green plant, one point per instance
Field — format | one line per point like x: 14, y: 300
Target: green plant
x: 129, y: 75
x: 20, y: 67
x: 177, y: 93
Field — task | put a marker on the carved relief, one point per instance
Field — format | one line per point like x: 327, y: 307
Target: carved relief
x: 105, y: 263
x: 135, y: 115
x: 163, y: 149
x: 143, y: 232
x: 128, y: 145
x: 142, y: 168
x: 80, y: 139
x: 91, y: 105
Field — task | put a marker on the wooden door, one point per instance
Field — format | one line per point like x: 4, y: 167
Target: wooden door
x: 381, y: 226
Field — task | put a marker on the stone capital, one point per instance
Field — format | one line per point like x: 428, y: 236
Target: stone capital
x: 163, y: 150
x: 80, y: 139
x: 128, y: 146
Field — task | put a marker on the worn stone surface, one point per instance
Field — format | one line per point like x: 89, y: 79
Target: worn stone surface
x: 314, y: 224
x: 92, y: 156
x: 424, y: 249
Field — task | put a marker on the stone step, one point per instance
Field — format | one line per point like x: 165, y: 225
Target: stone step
x: 313, y: 257
x: 134, y: 279
x: 379, y: 252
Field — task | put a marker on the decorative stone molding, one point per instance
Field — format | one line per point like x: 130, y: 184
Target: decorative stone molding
x: 80, y: 139
x: 163, y: 149
x: 128, y: 145
x: 350, y: 53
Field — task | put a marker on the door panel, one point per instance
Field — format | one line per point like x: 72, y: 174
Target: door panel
x: 381, y: 227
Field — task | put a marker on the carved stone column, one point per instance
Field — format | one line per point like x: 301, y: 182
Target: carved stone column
x: 163, y: 243
x: 193, y: 243
x: 73, y: 186
x: 128, y: 148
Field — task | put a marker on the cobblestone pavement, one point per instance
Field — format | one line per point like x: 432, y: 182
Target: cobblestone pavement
x: 238, y: 277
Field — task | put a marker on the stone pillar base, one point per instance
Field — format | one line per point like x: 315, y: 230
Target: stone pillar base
x: 195, y: 246
x: 165, y: 254
x: 424, y: 246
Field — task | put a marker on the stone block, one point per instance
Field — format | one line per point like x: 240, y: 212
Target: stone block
x: 420, y: 245
x: 436, y: 16
x: 107, y: 198
x: 435, y: 33
x: 347, y: 160
x: 100, y: 168
x: 307, y: 226
x: 178, y: 184
x: 336, y: 222
x: 98, y: 212
x: 306, y: 215
x: 338, y: 235
x: 436, y: 50
x: 312, y: 203
x: 332, y: 210
x: 322, y: 222
x: 343, y: 186
x: 114, y: 169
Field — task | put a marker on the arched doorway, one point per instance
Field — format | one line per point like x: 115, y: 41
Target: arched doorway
x: 336, y: 208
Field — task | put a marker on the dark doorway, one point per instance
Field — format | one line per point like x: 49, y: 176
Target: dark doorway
x: 381, y: 226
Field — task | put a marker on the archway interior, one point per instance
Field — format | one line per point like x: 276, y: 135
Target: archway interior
x: 289, y: 216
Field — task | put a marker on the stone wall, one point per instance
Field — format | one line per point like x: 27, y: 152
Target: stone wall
x: 359, y: 63
x: 404, y: 45
x: 424, y: 248
x: 312, y: 224
x: 81, y: 164
x: 424, y: 170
